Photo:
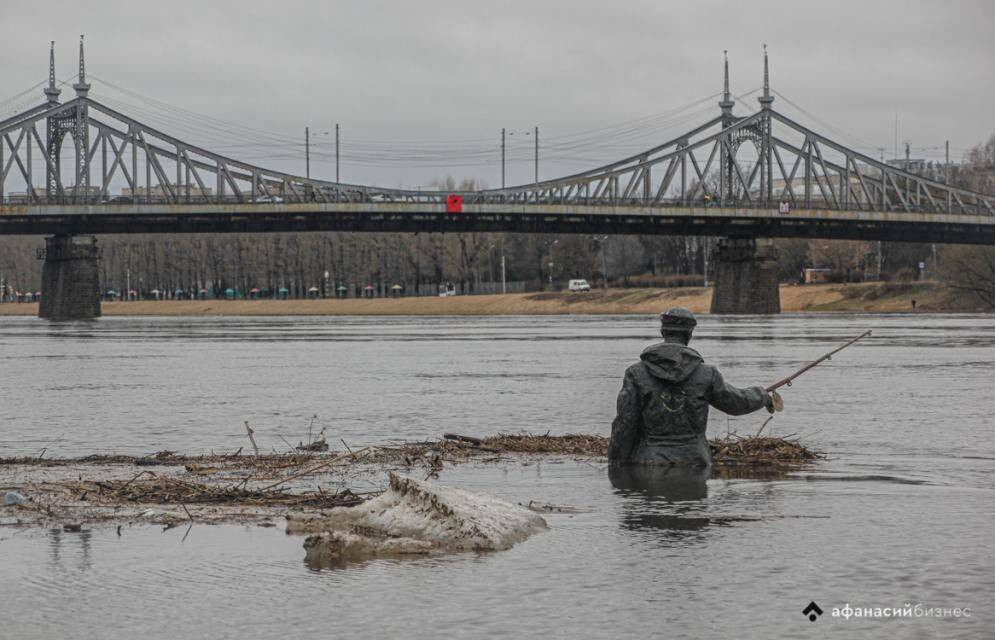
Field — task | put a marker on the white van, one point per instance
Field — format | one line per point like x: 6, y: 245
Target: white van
x: 579, y: 285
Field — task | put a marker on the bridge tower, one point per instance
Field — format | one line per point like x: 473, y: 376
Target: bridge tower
x: 75, y: 122
x: 728, y: 119
x: 746, y: 267
x: 70, y: 274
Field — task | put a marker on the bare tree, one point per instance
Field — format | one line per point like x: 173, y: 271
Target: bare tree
x: 972, y: 270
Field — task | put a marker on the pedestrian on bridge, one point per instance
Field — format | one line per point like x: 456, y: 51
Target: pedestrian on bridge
x: 664, y: 401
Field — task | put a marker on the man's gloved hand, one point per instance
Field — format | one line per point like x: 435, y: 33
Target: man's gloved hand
x: 774, y: 402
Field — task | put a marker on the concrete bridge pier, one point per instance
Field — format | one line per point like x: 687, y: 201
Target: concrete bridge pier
x: 70, y: 288
x: 746, y: 277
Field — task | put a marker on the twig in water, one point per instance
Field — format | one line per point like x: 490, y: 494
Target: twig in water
x: 285, y: 442
x: 137, y: 477
x: 315, y: 468
x: 347, y: 448
x: 244, y: 483
x: 188, y: 512
x: 59, y: 439
x: 311, y: 424
x: 763, y: 425
x: 249, y: 432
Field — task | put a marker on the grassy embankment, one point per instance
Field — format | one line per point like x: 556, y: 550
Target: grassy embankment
x: 861, y: 297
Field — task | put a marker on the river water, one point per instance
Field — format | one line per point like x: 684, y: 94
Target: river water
x: 900, y: 512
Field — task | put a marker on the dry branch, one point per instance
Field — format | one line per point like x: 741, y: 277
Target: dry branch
x: 249, y: 432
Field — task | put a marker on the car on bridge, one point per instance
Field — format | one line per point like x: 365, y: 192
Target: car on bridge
x: 117, y: 200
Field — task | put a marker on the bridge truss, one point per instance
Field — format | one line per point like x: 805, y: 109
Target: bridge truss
x: 760, y: 161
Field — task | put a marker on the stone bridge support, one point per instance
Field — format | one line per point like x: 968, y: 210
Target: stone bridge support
x: 746, y: 277
x: 70, y: 288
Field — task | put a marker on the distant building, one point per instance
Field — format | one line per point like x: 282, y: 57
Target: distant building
x: 817, y: 276
x: 22, y: 196
x: 778, y: 185
x: 93, y: 193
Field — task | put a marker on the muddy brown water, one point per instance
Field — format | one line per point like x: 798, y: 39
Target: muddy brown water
x: 900, y: 512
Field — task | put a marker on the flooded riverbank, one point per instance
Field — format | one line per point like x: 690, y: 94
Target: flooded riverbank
x: 898, y: 512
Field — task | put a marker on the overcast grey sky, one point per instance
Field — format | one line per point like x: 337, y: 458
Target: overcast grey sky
x: 434, y: 81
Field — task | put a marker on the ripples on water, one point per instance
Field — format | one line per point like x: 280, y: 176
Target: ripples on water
x: 901, y: 511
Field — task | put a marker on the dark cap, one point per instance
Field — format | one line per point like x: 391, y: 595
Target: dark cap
x: 677, y: 318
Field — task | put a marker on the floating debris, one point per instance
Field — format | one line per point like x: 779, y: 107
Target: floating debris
x: 172, y: 490
x: 570, y: 444
x: 453, y: 448
x: 253, y: 488
x: 415, y: 518
x: 540, y: 507
x: 317, y: 445
x: 759, y: 451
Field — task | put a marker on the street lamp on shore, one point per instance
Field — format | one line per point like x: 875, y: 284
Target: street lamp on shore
x: 602, y: 240
x: 549, y: 247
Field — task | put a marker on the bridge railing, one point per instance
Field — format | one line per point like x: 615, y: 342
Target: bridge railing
x: 108, y: 205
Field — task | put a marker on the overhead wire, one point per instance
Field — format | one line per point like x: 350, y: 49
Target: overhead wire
x: 219, y: 134
x: 597, y: 145
x: 588, y: 145
x: 18, y: 95
x: 844, y: 135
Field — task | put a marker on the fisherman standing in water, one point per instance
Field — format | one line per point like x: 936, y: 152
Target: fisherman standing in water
x: 663, y: 404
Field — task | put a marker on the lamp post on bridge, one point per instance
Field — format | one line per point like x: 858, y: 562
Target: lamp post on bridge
x: 307, y: 150
x: 502, y: 157
x: 504, y: 152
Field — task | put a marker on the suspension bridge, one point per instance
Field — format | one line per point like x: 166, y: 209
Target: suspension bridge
x: 747, y: 179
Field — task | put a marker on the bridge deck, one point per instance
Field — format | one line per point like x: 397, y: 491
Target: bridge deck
x: 515, y: 218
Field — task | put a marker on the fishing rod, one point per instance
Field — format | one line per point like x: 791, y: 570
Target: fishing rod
x: 786, y: 382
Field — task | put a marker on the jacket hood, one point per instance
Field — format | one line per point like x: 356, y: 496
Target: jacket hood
x: 670, y: 361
